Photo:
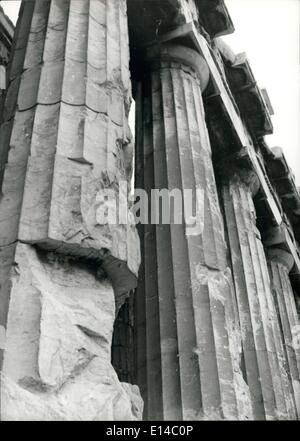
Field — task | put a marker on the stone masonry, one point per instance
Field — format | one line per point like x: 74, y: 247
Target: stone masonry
x: 157, y: 321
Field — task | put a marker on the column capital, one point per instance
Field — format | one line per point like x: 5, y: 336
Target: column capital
x: 284, y: 257
x: 277, y: 249
x: 174, y: 53
x: 242, y: 176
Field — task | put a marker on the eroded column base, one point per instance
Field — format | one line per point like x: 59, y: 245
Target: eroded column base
x: 57, y: 361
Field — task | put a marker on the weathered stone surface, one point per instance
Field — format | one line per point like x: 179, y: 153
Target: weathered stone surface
x: 260, y: 327
x: 70, y: 135
x: 65, y: 140
x: 151, y: 18
x: 280, y: 264
x: 57, y: 361
x: 209, y: 345
x: 6, y: 264
x: 215, y: 17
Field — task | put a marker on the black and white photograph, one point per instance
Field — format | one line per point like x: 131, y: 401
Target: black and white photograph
x: 150, y: 213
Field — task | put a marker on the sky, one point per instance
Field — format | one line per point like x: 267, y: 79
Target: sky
x: 11, y: 9
x: 269, y: 32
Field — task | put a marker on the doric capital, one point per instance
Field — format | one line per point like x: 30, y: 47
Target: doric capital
x: 274, y: 237
x: 277, y: 247
x: 243, y: 177
x: 173, y: 53
x: 281, y: 256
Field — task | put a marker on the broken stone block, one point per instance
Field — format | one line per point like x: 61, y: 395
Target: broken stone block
x: 58, y: 346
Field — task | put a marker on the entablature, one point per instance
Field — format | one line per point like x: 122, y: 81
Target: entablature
x: 215, y: 18
x: 283, y: 180
x: 248, y: 96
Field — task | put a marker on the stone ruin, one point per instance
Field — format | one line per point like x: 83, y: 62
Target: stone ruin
x: 103, y: 321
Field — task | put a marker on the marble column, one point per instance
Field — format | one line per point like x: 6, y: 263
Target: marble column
x: 281, y: 262
x: 65, y: 140
x: 261, y: 338
x: 188, y: 348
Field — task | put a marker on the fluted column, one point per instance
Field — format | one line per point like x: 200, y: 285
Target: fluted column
x: 66, y: 125
x: 262, y: 343
x: 281, y: 263
x: 188, y: 347
x: 64, y: 140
